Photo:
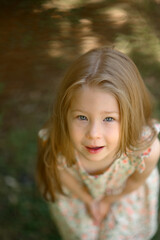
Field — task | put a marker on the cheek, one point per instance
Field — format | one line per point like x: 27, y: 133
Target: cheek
x: 113, y: 134
x: 74, y: 133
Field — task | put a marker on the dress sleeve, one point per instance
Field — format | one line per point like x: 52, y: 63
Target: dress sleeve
x: 157, y: 127
x: 140, y: 160
x: 43, y: 134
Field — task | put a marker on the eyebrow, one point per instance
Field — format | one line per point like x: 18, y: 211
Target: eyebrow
x: 105, y: 112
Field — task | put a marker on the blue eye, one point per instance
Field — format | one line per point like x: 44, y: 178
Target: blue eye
x: 109, y: 119
x: 82, y: 118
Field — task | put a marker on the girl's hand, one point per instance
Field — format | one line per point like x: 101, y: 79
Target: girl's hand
x: 93, y: 210
x: 98, y: 210
x: 104, y: 208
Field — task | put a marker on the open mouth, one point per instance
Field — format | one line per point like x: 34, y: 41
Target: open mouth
x: 94, y: 149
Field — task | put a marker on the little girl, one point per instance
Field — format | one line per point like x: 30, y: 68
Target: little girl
x: 99, y: 151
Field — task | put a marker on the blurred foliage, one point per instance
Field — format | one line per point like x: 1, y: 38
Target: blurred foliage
x: 39, y: 40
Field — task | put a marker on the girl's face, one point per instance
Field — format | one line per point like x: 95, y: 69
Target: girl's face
x: 94, y: 124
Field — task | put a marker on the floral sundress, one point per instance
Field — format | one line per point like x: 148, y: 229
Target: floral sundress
x: 132, y: 217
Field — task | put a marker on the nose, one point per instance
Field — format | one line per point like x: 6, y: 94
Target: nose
x: 94, y: 130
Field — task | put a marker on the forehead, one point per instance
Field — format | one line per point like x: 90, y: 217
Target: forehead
x: 91, y: 99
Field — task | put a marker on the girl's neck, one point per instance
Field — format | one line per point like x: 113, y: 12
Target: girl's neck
x: 96, y: 167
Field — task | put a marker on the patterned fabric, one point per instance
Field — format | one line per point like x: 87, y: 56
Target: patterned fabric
x: 132, y: 217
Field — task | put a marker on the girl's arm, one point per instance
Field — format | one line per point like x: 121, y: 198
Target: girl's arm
x: 81, y: 192
x: 137, y: 179
x: 75, y: 187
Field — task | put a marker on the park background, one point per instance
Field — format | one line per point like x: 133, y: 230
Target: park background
x: 39, y: 39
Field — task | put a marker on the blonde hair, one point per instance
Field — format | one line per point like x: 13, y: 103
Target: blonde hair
x: 114, y: 72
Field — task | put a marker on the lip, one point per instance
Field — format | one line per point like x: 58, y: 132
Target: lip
x: 94, y: 149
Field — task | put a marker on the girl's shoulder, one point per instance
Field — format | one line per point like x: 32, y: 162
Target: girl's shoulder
x: 148, y: 157
x: 148, y: 130
x: 149, y: 136
x: 155, y: 146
